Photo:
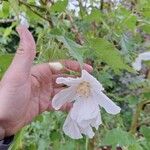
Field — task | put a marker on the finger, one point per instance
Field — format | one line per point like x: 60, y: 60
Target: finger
x: 46, y: 70
x: 25, y: 53
x: 57, y: 90
x: 75, y: 66
x: 55, y: 76
x: 68, y: 65
x: 43, y: 73
x: 66, y: 107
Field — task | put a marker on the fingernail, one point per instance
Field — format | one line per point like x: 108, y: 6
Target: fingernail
x: 90, y: 68
x: 56, y: 65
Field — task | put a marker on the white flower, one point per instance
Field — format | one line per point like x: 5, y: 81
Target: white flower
x: 23, y: 19
x: 137, y: 65
x: 37, y: 2
x: 86, y: 93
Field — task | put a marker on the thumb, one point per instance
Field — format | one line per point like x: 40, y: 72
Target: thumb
x: 25, y: 53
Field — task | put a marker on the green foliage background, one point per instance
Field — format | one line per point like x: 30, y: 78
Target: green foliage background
x: 109, y: 38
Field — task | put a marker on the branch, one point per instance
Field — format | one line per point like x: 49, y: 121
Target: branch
x: 91, y: 144
x: 23, y: 2
x: 102, y: 5
x: 136, y: 116
x: 81, y: 8
x: 36, y: 12
x: 30, y: 6
x: 7, y: 20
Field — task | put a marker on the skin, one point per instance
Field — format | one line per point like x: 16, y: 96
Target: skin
x: 27, y: 90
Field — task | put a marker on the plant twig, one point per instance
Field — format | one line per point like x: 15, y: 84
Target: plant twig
x: 30, y: 7
x: 7, y: 20
x: 102, y: 5
x: 136, y: 116
x: 91, y: 144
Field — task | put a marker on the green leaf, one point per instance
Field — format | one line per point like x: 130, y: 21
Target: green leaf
x: 32, y: 17
x: 7, y: 32
x: 42, y: 144
x: 146, y: 28
x: 56, y: 31
x: 70, y: 145
x: 94, y: 16
x: 127, y: 43
x: 146, y: 132
x: 59, y: 6
x: 146, y: 94
x: 18, y: 140
x: 14, y: 4
x: 55, y: 135
x: 5, y: 61
x: 146, y: 13
x: 107, y: 52
x: 130, y: 22
x: 135, y: 146
x: 119, y: 137
x: 75, y: 50
x: 4, y: 13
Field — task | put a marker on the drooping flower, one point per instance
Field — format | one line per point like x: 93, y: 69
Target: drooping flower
x: 86, y: 94
x: 137, y: 65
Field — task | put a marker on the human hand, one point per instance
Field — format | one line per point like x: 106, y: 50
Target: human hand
x: 26, y: 90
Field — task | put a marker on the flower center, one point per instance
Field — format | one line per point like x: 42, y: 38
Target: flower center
x: 83, y: 89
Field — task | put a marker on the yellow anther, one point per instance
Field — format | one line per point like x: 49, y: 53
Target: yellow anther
x: 83, y: 89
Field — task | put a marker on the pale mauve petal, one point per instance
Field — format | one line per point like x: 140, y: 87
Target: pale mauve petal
x: 87, y: 131
x: 137, y: 65
x: 85, y: 123
x: 63, y: 96
x: 107, y: 103
x: 95, y: 84
x: 84, y: 109
x: 71, y: 128
x: 68, y: 81
x: 96, y: 121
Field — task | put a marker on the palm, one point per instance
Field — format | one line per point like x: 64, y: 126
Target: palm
x: 30, y: 96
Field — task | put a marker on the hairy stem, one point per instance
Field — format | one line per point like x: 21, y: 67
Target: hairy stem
x: 91, y: 145
x: 136, y: 116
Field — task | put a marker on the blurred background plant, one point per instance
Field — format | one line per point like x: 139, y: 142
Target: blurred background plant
x: 107, y: 34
